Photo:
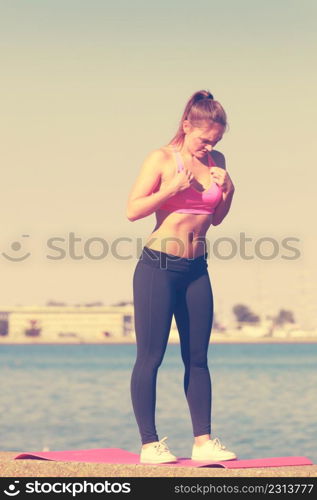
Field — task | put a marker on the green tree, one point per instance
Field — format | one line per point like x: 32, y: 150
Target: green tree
x: 284, y: 316
x: 243, y: 314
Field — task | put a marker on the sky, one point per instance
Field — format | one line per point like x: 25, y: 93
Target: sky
x: 89, y: 89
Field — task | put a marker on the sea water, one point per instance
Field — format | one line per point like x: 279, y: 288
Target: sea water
x: 63, y: 397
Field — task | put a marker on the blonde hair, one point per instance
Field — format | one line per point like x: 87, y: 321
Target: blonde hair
x: 200, y: 108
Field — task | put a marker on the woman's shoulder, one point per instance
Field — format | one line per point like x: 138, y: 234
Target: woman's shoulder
x: 160, y: 156
x: 163, y: 152
x: 158, y: 160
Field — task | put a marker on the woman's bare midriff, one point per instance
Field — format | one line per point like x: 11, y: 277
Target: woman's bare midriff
x: 180, y: 234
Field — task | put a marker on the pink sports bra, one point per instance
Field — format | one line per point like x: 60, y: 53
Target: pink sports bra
x: 191, y: 201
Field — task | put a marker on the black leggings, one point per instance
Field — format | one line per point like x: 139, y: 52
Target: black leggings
x: 163, y: 285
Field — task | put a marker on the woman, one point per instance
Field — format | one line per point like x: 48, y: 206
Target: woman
x: 188, y: 193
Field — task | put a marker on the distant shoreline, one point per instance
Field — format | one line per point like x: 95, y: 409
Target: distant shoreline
x: 120, y: 341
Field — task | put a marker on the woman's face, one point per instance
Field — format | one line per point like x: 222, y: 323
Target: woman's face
x: 200, y: 140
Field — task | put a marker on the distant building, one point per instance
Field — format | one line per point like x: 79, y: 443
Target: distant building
x: 73, y: 323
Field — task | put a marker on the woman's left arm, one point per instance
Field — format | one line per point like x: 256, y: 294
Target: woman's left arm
x: 222, y: 178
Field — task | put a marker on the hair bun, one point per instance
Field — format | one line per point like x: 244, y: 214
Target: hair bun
x: 209, y: 95
x: 203, y: 94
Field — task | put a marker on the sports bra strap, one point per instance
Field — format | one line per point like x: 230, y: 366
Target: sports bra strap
x: 211, y: 161
x: 180, y: 165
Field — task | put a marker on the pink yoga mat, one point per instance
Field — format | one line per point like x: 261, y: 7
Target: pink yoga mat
x: 119, y: 456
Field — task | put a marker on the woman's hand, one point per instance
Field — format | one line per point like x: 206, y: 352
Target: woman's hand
x: 181, y: 181
x: 222, y: 178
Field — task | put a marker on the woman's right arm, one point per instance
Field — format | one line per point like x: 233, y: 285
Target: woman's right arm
x: 142, y: 201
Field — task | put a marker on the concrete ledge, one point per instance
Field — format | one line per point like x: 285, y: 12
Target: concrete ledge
x: 44, y: 468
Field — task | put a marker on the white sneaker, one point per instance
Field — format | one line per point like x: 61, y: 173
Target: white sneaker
x: 157, y: 453
x: 212, y: 450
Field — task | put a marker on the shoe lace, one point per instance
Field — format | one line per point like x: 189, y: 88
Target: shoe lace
x: 217, y: 443
x: 162, y: 447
